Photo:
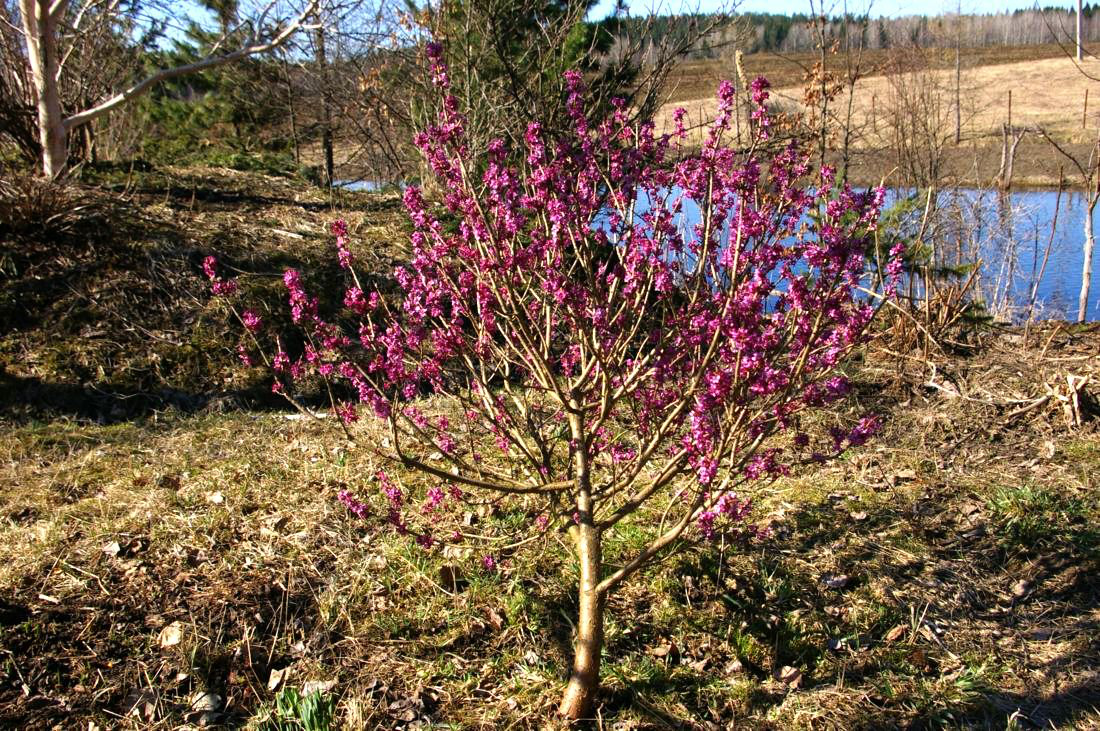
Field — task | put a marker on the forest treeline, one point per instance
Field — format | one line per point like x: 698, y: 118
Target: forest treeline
x: 793, y: 33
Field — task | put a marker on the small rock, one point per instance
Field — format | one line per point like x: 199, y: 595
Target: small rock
x: 1021, y: 588
x: 215, y: 498
x: 838, y: 581
x: 112, y: 549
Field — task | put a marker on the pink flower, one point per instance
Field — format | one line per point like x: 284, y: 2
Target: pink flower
x: 359, y: 509
x: 252, y: 321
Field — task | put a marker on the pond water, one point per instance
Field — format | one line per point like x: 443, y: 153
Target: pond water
x: 367, y: 186
x: 1010, y: 234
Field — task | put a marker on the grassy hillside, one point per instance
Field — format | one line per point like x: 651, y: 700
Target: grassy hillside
x: 198, y: 568
x: 105, y: 313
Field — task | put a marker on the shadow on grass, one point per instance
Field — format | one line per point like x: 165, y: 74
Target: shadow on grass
x: 109, y: 318
x: 779, y: 612
x: 79, y: 662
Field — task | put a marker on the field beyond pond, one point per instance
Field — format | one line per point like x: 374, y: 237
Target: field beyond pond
x: 197, y: 569
x: 1047, y: 87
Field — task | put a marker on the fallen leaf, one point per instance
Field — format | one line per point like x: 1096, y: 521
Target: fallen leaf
x: 141, y: 704
x: 858, y: 515
x: 451, y: 577
x: 495, y: 619
x: 206, y: 702
x: 896, y: 633
x: 789, y: 676
x: 969, y: 509
x: 277, y: 678
x: 317, y: 686
x: 666, y: 650
x: 112, y: 549
x: 1021, y: 588
x: 171, y: 635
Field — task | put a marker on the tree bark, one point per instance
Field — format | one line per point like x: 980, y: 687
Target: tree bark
x: 326, y: 114
x: 584, y: 683
x: 40, y: 29
x: 1086, y: 265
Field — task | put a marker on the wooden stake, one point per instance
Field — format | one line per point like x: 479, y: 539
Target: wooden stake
x: 1085, y: 112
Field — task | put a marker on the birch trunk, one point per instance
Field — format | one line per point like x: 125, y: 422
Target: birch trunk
x: 1086, y: 265
x: 40, y: 28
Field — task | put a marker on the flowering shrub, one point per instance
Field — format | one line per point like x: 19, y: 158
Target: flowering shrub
x: 602, y: 354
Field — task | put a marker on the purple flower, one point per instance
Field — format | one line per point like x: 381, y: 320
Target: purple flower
x: 359, y: 509
x: 252, y: 321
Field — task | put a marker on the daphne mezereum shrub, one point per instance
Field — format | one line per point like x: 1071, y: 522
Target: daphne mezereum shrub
x: 587, y: 350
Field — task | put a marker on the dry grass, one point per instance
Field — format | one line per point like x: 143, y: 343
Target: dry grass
x: 1048, y: 92
x: 699, y: 79
x: 966, y: 535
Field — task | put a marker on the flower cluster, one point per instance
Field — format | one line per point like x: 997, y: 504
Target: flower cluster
x: 343, y: 254
x: 218, y: 285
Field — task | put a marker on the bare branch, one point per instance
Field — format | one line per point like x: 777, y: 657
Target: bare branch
x: 209, y: 62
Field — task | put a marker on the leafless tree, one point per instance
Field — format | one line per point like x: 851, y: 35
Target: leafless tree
x: 53, y: 30
x: 1088, y: 171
